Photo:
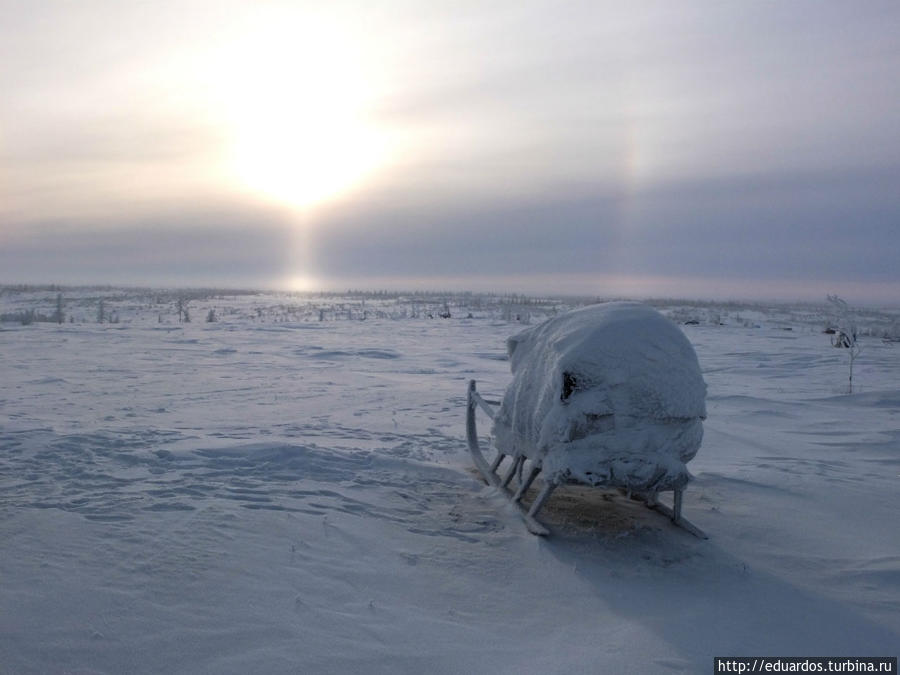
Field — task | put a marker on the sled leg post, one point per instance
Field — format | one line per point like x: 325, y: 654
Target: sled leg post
x: 542, y: 497
x: 496, y: 463
x: 523, y: 488
x: 676, y: 505
x: 674, y: 514
x: 512, y: 470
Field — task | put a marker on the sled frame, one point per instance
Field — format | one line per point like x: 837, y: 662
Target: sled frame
x: 489, y: 472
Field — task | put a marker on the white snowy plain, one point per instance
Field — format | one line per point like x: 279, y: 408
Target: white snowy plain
x: 271, y: 493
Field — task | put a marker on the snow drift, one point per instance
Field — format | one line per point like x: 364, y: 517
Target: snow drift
x: 609, y: 394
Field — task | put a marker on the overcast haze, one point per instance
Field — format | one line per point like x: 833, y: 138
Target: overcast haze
x: 708, y: 149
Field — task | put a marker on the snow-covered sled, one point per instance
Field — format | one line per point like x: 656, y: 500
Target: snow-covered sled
x: 609, y: 395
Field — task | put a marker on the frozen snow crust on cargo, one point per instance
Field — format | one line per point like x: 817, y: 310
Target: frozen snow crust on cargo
x: 610, y: 394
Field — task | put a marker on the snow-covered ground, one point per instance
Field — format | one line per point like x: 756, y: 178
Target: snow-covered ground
x: 287, y: 489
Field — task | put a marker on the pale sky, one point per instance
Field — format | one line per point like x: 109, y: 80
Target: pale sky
x: 701, y: 149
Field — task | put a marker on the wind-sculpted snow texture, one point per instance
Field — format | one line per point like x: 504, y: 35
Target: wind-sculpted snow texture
x: 609, y: 394
x: 275, y: 493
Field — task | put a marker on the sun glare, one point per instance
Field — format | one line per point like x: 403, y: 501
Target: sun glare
x: 302, y: 284
x: 294, y: 97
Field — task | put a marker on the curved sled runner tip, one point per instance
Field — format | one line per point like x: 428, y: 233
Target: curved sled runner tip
x: 529, y: 514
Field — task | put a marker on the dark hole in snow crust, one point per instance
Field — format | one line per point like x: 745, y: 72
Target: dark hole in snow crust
x: 569, y: 384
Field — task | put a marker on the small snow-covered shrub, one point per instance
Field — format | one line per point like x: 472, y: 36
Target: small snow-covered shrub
x: 845, y: 334
x: 892, y: 332
x: 24, y: 317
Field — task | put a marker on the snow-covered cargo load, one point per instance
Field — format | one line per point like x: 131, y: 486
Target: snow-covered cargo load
x: 609, y: 394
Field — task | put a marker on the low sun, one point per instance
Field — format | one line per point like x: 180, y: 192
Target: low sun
x: 295, y: 99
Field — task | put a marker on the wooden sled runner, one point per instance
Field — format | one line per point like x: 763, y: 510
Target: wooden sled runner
x: 503, y: 478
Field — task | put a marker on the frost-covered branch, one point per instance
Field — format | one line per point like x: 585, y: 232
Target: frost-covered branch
x: 846, y: 334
